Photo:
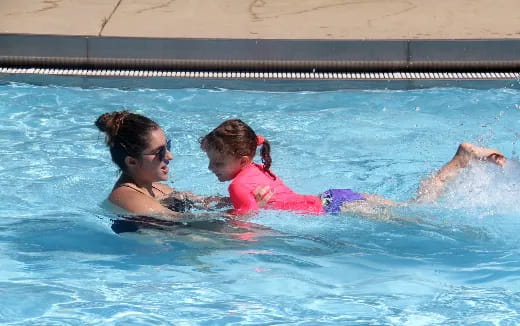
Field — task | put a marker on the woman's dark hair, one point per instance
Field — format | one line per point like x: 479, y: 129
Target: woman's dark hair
x: 236, y: 138
x: 127, y: 134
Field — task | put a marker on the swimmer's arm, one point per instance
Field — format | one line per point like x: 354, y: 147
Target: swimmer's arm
x: 188, y: 195
x: 198, y: 201
x: 262, y: 195
x: 138, y: 204
x: 207, y: 202
x: 243, y: 199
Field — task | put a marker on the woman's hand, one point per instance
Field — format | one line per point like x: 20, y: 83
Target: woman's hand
x: 262, y: 195
x: 218, y: 202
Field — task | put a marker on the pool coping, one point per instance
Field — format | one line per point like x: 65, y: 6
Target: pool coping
x: 260, y: 55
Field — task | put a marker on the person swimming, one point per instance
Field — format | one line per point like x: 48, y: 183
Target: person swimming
x: 231, y: 148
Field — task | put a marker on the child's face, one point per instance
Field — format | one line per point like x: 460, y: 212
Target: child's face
x: 225, y: 167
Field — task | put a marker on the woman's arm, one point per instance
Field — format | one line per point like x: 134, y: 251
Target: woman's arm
x: 138, y: 204
x: 187, y: 199
x: 135, y: 202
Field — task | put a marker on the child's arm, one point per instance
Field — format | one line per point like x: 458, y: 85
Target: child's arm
x: 242, y: 198
x: 262, y: 195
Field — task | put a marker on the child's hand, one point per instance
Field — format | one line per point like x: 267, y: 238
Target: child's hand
x: 262, y: 195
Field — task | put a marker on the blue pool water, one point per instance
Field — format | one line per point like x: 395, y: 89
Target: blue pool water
x: 452, y: 262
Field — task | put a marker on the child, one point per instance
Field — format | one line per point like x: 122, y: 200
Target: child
x: 231, y: 148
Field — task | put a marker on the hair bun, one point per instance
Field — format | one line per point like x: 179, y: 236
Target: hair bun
x: 110, y: 123
x: 102, y: 121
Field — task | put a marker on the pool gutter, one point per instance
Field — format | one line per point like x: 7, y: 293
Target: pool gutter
x: 247, y: 55
x: 258, y: 64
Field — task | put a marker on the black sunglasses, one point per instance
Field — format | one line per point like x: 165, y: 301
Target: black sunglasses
x: 161, y: 153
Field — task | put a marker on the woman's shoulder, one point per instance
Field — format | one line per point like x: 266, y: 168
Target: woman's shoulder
x: 123, y: 191
x: 134, y: 201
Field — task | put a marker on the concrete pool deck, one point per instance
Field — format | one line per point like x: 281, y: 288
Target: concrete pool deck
x: 266, y: 19
x: 262, y: 35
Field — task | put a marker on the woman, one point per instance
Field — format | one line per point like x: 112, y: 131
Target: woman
x: 140, y: 149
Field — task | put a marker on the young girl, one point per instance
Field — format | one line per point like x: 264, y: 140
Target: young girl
x: 231, y: 148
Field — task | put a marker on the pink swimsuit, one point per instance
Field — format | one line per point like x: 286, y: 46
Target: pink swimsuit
x: 252, y: 176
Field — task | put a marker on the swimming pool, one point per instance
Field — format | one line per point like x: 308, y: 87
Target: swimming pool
x: 454, y: 262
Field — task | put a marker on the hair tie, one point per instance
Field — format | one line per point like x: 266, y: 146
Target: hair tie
x: 259, y: 140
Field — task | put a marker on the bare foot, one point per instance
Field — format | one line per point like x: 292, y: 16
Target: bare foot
x: 467, y: 152
x: 432, y: 188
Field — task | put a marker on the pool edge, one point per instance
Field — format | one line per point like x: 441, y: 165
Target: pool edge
x: 261, y: 55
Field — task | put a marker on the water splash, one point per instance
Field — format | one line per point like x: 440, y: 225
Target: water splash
x: 488, y: 188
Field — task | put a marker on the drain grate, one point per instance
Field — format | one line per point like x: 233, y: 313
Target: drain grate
x: 267, y: 75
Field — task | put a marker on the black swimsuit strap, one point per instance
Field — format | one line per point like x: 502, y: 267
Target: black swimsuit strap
x: 138, y: 190
x: 158, y: 189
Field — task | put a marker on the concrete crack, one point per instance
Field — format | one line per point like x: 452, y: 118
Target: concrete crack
x: 260, y: 4
x: 51, y: 5
x: 162, y: 5
x: 105, y: 20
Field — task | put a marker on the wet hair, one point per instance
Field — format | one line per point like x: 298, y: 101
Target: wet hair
x: 126, y: 134
x: 236, y: 138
